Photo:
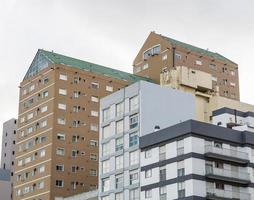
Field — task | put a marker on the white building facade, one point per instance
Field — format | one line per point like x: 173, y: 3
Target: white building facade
x: 196, y: 160
x: 125, y: 116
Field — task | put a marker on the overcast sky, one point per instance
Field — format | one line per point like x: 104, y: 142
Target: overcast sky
x: 111, y: 32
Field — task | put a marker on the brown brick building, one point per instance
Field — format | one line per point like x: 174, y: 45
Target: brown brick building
x: 160, y: 54
x: 57, y: 135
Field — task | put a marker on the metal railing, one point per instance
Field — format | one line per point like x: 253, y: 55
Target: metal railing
x: 230, y: 194
x: 226, y: 152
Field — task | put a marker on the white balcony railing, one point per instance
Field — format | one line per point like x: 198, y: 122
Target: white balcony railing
x: 226, y: 152
x: 213, y: 192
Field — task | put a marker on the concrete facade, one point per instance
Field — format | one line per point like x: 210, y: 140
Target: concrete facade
x: 5, y: 184
x: 125, y: 116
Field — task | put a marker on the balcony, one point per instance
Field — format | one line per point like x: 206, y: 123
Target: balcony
x: 226, y: 154
x: 217, y: 194
x: 227, y: 175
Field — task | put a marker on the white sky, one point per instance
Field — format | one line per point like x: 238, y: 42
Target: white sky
x: 111, y: 32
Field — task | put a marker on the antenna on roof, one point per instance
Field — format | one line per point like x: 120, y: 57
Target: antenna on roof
x: 52, y: 51
x: 207, y: 49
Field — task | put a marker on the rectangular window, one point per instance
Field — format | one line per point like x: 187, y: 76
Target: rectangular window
x: 94, y: 127
x: 134, y: 103
x: 133, y: 139
x: 106, y: 114
x: 74, y: 153
x: 93, y: 172
x: 42, y: 169
x: 198, y: 62
x: 60, y: 151
x: 59, y: 183
x: 94, y: 99
x: 148, y: 194
x: 163, y: 193
x: 164, y: 57
x: 93, y: 143
x: 134, y: 177
x: 181, y: 190
x: 163, y: 173
x: 43, y: 124
x: 148, y: 153
x: 106, y: 131
x: 95, y: 85
x: 119, y: 162
x: 148, y: 173
x: 178, y: 56
x: 41, y: 185
x: 119, y: 144
x: 119, y: 109
x: 119, y: 196
x: 180, y: 147
x: 61, y: 121
x: 105, y: 184
x: 60, y: 168
x: 45, y: 94
x: 62, y: 91
x: 119, y: 127
x: 134, y: 194
x: 212, y: 66
x: 63, y: 77
x: 145, y: 66
x: 60, y: 136
x: 62, y: 106
x: 76, y: 94
x: 106, y: 149
x: 44, y: 109
x: 133, y: 121
x: 31, y: 88
x: 232, y: 72
x: 93, y: 157
x: 30, y: 116
x: 162, y: 151
x: 134, y: 158
x: 105, y: 166
x: 180, y: 168
x: 109, y: 88
x: 94, y: 113
x: 119, y: 181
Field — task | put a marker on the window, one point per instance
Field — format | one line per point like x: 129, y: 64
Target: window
x: 224, y: 69
x: 109, y: 88
x: 232, y: 72
x: 148, y: 173
x: 44, y: 109
x: 134, y: 157
x: 93, y: 157
x: 214, y: 78
x: 225, y: 81
x: 134, y: 194
x: 76, y: 108
x: 145, y: 66
x: 119, y: 144
x: 94, y: 127
x: 133, y: 103
x: 119, y: 162
x: 180, y: 168
x: 59, y: 183
x: 74, y: 153
x: 218, y: 145
x: 232, y: 84
x: 198, y: 62
x: 45, y: 80
x: 62, y: 106
x: 136, y: 69
x: 105, y: 166
x: 60, y: 151
x: 42, y: 153
x: 74, y: 138
x: 31, y: 88
x: 164, y: 57
x: 119, y: 127
x: 119, y: 109
x: 133, y: 139
x: 178, y: 56
x: 30, y: 116
x: 219, y: 165
x: 30, y: 130
x: 219, y: 186
x: 76, y: 80
x: 94, y: 99
x: 134, y: 178
x: 93, y: 172
x: 24, y: 92
x: 42, y: 169
x: 105, y: 184
x: 62, y: 91
x: 180, y: 147
x: 163, y: 193
x: 105, y: 198
x: 106, y: 149
x: 119, y: 196
x: 93, y: 143
x: 61, y: 121
x: 225, y: 93
x: 163, y: 173
x: 212, y: 66
x: 148, y: 194
x: 95, y: 85
x: 22, y: 119
x: 94, y: 113
x: 106, y: 114
x: 76, y: 94
x: 43, y: 124
x: 119, y: 181
x: 60, y: 168
x: 63, y: 77
x: 162, y: 152
x: 147, y: 54
x: 181, y: 189
x: 60, y: 136
x: 106, y: 131
x: 148, y: 153
x: 133, y: 121
x: 45, y: 94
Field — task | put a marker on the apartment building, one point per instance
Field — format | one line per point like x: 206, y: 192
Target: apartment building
x: 8, y: 153
x: 160, y: 54
x: 125, y: 116
x: 58, y: 123
x: 92, y: 195
x: 197, y: 160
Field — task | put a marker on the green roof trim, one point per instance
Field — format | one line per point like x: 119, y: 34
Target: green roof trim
x: 55, y: 58
x: 197, y: 49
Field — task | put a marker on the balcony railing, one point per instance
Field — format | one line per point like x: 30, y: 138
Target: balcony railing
x: 230, y: 175
x: 227, y: 154
x: 214, y: 194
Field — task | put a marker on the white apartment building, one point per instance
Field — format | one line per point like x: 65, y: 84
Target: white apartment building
x: 125, y: 116
x: 196, y: 160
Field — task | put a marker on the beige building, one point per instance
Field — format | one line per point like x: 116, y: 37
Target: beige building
x: 57, y: 134
x: 161, y: 54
